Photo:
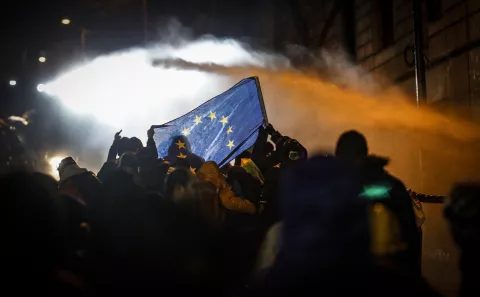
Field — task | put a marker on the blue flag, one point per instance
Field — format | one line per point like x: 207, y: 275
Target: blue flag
x: 218, y: 130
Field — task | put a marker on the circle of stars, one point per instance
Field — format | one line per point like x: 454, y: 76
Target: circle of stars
x: 212, y: 116
x: 198, y: 120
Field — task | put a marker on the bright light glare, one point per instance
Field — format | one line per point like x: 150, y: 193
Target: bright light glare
x: 41, y: 88
x: 12, y: 82
x: 42, y: 59
x: 228, y: 52
x: 66, y: 21
x: 54, y: 163
x: 18, y: 119
x: 125, y: 91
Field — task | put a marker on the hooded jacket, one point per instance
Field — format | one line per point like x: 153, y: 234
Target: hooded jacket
x: 180, y: 149
x: 210, y: 172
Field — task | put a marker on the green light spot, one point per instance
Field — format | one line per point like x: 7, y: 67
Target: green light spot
x: 376, y: 192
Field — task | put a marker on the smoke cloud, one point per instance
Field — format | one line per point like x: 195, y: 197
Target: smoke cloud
x: 137, y: 88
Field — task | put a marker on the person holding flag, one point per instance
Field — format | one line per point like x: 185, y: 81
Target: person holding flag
x: 218, y: 130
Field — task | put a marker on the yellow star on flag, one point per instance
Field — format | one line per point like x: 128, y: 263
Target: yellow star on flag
x: 224, y: 120
x: 230, y: 144
x: 180, y: 144
x: 212, y: 116
x: 197, y: 120
x: 186, y: 131
x: 182, y: 156
x: 192, y: 170
x: 230, y: 130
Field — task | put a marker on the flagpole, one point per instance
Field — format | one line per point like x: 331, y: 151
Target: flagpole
x: 260, y: 99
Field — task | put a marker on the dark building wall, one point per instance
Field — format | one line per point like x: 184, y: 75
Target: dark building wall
x: 452, y: 47
x: 383, y: 45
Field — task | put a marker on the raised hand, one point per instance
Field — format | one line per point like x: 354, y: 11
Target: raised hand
x: 150, y: 133
x: 117, y: 135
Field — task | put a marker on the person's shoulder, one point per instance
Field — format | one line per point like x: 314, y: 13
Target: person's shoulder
x: 196, y: 158
x: 395, y: 182
x: 110, y: 163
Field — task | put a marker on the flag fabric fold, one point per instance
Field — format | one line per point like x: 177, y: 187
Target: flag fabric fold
x: 218, y: 130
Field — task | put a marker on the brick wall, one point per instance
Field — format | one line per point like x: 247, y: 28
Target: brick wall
x: 452, y: 46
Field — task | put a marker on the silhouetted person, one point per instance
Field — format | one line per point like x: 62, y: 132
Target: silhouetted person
x: 152, y: 170
x: 462, y: 210
x: 180, y: 151
x: 324, y: 233
x: 31, y: 250
x: 120, y: 146
x: 352, y: 148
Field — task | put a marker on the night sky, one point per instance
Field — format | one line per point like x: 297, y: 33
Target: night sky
x: 30, y: 27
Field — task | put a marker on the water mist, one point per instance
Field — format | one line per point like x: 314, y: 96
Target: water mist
x: 137, y: 88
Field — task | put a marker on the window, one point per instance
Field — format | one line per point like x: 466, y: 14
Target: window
x: 383, y: 30
x: 386, y: 10
x: 434, y: 10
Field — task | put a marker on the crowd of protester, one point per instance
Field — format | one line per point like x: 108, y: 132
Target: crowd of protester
x: 274, y: 223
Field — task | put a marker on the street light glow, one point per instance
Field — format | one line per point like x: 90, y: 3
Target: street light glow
x: 66, y: 21
x: 42, y: 59
x: 41, y: 88
x: 12, y: 82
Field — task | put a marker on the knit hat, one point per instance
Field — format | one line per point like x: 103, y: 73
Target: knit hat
x: 69, y: 168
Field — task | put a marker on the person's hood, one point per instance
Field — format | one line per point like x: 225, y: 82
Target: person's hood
x: 69, y: 168
x: 179, y: 144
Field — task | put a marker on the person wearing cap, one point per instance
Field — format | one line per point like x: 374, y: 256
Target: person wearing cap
x: 77, y: 182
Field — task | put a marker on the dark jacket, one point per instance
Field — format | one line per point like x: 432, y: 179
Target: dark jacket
x: 107, y: 169
x: 325, y: 239
x: 325, y: 233
x: 372, y: 173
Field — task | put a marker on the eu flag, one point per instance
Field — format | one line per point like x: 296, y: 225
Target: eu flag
x: 218, y: 130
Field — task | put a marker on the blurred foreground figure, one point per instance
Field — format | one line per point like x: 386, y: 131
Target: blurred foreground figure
x: 396, y: 238
x: 33, y: 246
x: 325, y: 246
x: 462, y: 210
